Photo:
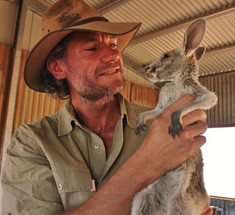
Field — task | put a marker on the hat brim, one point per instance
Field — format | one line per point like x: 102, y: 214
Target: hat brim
x: 37, y: 57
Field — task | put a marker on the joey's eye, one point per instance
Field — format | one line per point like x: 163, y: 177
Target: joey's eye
x: 166, y: 56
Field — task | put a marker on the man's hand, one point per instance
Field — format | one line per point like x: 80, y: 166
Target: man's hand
x: 164, y: 153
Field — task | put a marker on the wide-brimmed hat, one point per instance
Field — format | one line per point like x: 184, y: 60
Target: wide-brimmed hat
x: 62, y: 18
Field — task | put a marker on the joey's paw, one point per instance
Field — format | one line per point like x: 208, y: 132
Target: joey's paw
x: 175, y: 127
x: 140, y: 126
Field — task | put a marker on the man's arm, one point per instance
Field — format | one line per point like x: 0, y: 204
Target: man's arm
x: 158, y: 154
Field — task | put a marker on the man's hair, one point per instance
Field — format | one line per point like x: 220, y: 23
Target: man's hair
x: 53, y: 86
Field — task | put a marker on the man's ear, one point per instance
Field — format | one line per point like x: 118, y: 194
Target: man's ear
x: 57, y: 67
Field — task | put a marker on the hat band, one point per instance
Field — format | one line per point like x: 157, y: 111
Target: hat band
x: 85, y: 21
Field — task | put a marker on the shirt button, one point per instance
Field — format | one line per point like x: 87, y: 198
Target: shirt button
x: 97, y: 145
x: 60, y: 186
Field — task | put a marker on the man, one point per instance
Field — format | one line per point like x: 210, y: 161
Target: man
x: 86, y: 159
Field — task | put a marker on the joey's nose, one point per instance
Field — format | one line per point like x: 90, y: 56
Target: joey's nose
x: 153, y: 69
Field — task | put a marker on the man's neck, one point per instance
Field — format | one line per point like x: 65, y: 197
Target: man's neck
x: 97, y: 115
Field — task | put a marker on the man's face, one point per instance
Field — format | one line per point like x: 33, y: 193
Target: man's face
x: 94, y: 66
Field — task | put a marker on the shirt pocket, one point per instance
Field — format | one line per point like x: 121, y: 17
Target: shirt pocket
x: 71, y: 179
x: 74, y: 185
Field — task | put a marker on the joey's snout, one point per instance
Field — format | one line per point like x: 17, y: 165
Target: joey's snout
x: 151, y: 69
x: 151, y: 73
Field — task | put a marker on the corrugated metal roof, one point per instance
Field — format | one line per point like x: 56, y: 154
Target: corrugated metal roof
x: 163, y: 26
x: 164, y: 23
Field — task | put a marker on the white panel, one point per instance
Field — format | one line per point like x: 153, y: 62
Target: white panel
x: 36, y: 29
x: 32, y: 30
x: 27, y: 30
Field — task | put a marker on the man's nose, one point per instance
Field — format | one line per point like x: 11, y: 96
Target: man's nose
x: 109, y: 54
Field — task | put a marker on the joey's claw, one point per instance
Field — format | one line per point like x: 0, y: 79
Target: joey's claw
x: 176, y: 127
x: 139, y: 128
x: 140, y: 125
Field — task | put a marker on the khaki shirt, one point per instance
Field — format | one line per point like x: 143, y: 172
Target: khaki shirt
x: 55, y: 163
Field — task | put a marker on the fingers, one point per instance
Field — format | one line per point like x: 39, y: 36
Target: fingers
x: 191, y: 138
x: 194, y: 116
x: 195, y: 129
x: 200, y: 140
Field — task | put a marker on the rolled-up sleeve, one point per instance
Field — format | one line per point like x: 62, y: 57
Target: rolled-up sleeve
x: 28, y: 185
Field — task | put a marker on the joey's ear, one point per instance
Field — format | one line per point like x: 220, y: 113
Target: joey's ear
x: 194, y: 36
x: 200, y: 51
x: 56, y: 67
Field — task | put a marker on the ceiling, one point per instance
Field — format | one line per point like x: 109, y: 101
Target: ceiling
x: 163, y: 26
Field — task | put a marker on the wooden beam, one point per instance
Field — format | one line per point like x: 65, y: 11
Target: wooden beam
x: 12, y: 98
x: 15, y: 72
x: 16, y: 69
x: 173, y: 28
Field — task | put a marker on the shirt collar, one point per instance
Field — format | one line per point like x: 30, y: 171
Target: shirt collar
x: 67, y: 117
x: 128, y: 110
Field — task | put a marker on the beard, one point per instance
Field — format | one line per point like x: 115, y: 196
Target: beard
x: 93, y: 92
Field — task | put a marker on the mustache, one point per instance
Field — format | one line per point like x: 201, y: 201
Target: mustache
x: 108, y: 67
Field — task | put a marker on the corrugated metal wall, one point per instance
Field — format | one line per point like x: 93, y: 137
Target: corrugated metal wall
x: 223, y: 114
x: 223, y: 206
x: 32, y: 105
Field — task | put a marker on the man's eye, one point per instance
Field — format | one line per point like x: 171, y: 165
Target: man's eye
x: 113, y: 45
x: 91, y: 49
